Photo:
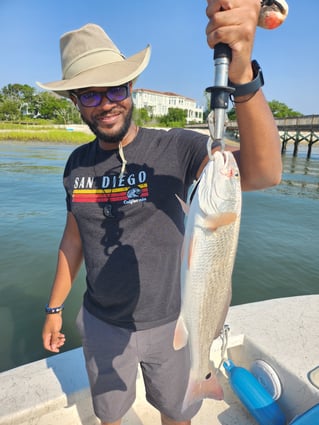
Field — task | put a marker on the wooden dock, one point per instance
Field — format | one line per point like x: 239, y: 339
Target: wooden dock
x: 291, y: 129
x: 297, y: 130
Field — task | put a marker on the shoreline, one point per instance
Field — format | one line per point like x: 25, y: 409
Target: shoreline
x: 80, y: 133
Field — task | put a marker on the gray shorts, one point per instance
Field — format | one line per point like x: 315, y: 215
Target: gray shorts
x: 112, y: 355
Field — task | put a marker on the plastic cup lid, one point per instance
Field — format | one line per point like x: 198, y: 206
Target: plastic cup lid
x: 267, y: 377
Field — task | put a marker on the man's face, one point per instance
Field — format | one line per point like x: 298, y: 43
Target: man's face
x: 111, y: 119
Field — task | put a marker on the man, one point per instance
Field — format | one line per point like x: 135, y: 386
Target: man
x: 124, y: 220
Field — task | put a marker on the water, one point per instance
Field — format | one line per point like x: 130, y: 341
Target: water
x: 277, y: 253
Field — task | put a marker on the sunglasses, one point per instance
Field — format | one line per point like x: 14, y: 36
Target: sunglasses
x: 91, y: 99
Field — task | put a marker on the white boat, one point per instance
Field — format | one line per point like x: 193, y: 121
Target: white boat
x: 283, y: 333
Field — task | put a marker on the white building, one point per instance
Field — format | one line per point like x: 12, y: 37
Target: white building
x: 157, y: 103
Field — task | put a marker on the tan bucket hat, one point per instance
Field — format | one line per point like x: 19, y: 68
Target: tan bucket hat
x: 89, y: 58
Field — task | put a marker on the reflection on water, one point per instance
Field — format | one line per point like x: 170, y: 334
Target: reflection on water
x: 300, y: 175
x: 278, y: 238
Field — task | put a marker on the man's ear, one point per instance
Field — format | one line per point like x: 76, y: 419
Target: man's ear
x: 75, y: 101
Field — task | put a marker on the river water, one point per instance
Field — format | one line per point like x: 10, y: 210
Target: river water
x: 277, y: 253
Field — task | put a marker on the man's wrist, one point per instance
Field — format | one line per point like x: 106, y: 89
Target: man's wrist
x: 53, y: 310
x: 243, y: 90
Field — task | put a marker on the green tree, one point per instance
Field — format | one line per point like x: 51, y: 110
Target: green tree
x: 278, y: 109
x: 50, y: 106
x: 21, y: 92
x: 141, y: 116
x: 175, y: 118
x: 19, y: 101
x: 281, y: 110
x: 232, y: 114
x: 16, y: 96
x: 9, y: 110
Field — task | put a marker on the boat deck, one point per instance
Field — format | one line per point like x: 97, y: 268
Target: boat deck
x: 282, y: 332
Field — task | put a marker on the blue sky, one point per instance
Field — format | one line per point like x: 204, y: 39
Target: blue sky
x: 181, y: 60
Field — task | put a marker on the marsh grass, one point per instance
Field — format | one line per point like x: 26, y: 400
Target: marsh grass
x: 62, y: 136
x: 41, y: 133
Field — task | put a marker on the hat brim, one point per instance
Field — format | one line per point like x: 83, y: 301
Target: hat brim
x: 108, y: 75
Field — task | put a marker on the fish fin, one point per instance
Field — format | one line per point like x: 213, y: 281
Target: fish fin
x: 185, y: 207
x: 214, y: 222
x: 198, y: 389
x: 181, y: 334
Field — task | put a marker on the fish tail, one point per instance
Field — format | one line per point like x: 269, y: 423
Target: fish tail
x: 198, y: 389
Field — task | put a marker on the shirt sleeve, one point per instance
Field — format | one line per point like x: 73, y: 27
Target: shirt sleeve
x: 66, y: 184
x: 192, y: 150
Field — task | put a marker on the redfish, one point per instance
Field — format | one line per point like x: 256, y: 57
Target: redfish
x: 208, y: 255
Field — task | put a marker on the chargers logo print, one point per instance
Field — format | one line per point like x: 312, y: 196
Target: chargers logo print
x: 127, y: 189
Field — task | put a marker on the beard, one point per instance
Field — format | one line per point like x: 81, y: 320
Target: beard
x: 109, y: 137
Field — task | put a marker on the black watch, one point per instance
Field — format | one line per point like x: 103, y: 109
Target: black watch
x: 252, y: 86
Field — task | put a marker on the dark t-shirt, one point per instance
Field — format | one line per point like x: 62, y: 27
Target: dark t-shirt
x: 132, y: 250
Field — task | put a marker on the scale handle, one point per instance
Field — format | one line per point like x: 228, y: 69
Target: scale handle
x: 222, y: 50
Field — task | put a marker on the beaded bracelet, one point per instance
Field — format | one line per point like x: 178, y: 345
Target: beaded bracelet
x: 53, y: 310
